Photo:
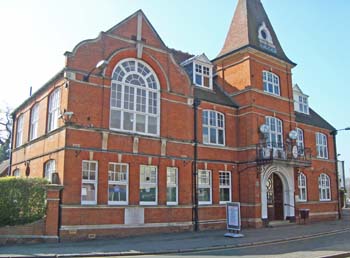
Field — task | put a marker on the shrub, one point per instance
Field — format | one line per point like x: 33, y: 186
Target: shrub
x: 22, y: 200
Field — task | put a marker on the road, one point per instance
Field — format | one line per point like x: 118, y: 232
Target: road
x: 321, y: 246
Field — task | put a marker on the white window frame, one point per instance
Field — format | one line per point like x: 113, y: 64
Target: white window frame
x: 120, y: 179
x: 275, y: 134
x: 300, y: 141
x: 303, y: 105
x: 324, y: 187
x: 271, y: 83
x: 141, y: 103
x: 34, y: 119
x: 172, y: 184
x: 54, y: 110
x: 89, y: 181
x: 205, y: 185
x: 19, y: 131
x: 150, y: 184
x: 302, y: 185
x: 321, y: 146
x: 50, y: 167
x: 202, y: 71
x: 223, y: 174
x: 213, y: 120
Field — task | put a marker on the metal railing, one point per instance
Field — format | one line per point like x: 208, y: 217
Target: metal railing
x: 282, y: 151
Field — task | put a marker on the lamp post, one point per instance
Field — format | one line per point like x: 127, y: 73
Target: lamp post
x: 334, y: 133
x: 100, y: 66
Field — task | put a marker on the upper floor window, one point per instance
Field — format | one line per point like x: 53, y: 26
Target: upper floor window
x: 300, y: 141
x: 324, y: 187
x: 19, y: 132
x: 213, y: 127
x: 34, y: 118
x: 50, y: 167
x: 302, y: 187
x: 89, y: 182
x: 202, y: 75
x: 275, y: 135
x: 303, y: 104
x: 321, y: 146
x: 271, y: 83
x: 135, y: 98
x: 118, y: 177
x: 300, y: 100
x: 54, y: 110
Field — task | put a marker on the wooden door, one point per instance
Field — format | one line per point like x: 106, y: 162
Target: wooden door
x: 278, y: 197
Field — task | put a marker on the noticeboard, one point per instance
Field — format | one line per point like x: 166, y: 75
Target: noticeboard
x: 233, y: 216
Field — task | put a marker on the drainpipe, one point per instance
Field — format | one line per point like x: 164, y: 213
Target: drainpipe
x: 196, y: 103
x: 334, y: 133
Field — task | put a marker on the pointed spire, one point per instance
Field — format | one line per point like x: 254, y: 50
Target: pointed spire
x: 251, y: 27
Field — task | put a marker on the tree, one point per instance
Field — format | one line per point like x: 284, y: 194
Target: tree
x: 5, y: 133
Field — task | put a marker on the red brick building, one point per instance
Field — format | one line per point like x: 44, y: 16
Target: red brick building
x: 145, y: 138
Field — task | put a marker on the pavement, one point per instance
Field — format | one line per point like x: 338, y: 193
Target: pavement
x: 178, y: 242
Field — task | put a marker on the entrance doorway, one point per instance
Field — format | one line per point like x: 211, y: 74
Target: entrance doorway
x: 274, y: 195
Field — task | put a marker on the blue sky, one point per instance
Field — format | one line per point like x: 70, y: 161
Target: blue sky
x: 313, y: 33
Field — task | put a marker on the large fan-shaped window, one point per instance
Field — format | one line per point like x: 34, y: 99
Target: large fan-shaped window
x: 135, y: 98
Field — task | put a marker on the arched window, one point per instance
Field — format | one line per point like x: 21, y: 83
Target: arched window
x: 271, y: 83
x: 213, y: 127
x: 324, y: 187
x: 275, y: 135
x: 302, y: 187
x: 54, y: 110
x: 300, y: 141
x: 321, y: 146
x: 16, y: 172
x: 135, y: 98
x: 50, y: 167
x: 19, y: 132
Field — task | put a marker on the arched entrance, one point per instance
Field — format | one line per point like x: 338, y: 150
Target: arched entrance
x: 277, y: 193
x: 274, y: 195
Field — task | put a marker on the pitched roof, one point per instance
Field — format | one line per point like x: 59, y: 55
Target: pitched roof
x: 248, y: 18
x: 180, y: 56
x: 216, y: 95
x: 313, y: 119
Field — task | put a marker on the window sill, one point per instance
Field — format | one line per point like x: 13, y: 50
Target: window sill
x: 148, y: 203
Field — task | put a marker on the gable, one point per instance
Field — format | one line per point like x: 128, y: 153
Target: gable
x: 138, y: 27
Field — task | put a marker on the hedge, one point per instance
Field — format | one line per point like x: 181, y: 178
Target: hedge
x: 22, y: 200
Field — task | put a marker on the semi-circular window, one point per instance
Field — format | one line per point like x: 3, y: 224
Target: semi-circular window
x: 135, y: 98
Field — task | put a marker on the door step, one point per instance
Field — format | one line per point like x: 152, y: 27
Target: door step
x: 279, y: 223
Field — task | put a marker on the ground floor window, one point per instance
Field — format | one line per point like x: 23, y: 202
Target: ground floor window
x: 225, y: 186
x: 50, y: 168
x: 118, y: 176
x: 148, y: 185
x: 89, y: 182
x: 172, y: 186
x: 204, y: 187
x: 324, y: 187
x: 302, y: 187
